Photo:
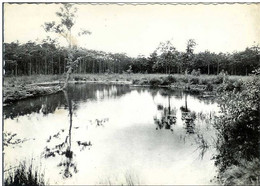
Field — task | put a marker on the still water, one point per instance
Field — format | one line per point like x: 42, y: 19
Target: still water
x: 113, y: 134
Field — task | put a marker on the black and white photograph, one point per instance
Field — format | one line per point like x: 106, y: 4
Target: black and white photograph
x: 114, y: 93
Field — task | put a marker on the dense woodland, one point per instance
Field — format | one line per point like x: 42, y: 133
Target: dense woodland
x: 48, y: 57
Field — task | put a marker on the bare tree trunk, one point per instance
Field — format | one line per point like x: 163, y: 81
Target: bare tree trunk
x: 80, y: 63
x: 99, y: 69
x: 45, y: 65
x: 52, y: 65
x: 67, y: 78
x: 86, y: 65
x: 59, y: 66
x: 30, y: 68
x: 16, y: 68
x: 186, y: 105
x: 218, y: 68
x: 64, y: 67
x: 70, y: 62
x: 93, y: 67
x: 69, y: 153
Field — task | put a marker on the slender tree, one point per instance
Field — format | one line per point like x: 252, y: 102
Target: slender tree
x: 67, y: 15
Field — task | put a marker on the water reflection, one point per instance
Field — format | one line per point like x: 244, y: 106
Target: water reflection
x: 76, y: 141
x: 78, y: 93
x: 63, y: 149
x: 189, y: 118
x: 11, y: 139
x: 167, y: 116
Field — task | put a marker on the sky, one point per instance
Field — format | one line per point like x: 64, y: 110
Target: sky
x: 138, y: 29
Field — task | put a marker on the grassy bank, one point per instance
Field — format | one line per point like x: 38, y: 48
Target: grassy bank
x: 21, y: 87
x: 25, y: 80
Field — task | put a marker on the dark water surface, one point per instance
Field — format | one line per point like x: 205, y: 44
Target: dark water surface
x: 113, y: 134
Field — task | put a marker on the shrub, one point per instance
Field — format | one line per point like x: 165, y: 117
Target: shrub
x: 171, y: 79
x: 218, y: 79
x: 79, y: 78
x: 144, y: 82
x: 193, y: 72
x: 154, y: 82
x: 165, y: 81
x: 227, y: 86
x: 238, y: 130
x: 209, y: 87
x: 168, y: 80
x: 238, y: 85
x: 194, y: 80
x: 248, y: 173
x: 136, y: 81
x: 183, y: 79
x: 205, y: 81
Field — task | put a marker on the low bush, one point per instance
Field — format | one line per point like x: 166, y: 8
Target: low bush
x: 165, y: 82
x: 154, y: 82
x: 168, y: 80
x: 218, y: 79
x: 230, y: 85
x: 136, y: 82
x: 144, y: 81
x: 194, y: 81
x: 248, y: 173
x: 171, y: 79
x: 205, y: 81
x: 195, y: 72
x: 238, y: 85
x: 183, y: 79
x: 209, y: 87
x: 238, y: 130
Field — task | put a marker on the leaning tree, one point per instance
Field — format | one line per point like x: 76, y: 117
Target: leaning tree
x: 67, y: 16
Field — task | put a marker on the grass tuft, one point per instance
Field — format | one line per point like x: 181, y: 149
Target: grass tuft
x: 24, y: 174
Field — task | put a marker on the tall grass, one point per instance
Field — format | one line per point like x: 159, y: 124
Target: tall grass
x: 129, y: 178
x: 26, y: 80
x: 24, y: 174
x: 166, y: 78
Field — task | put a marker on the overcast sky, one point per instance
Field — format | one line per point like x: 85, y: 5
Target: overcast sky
x: 139, y: 29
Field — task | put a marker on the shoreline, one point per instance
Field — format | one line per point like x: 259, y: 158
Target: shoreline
x: 16, y: 93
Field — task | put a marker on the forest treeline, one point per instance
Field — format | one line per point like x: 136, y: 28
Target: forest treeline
x: 48, y: 57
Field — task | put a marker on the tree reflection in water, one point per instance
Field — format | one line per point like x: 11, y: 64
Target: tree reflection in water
x: 64, y: 149
x: 188, y: 117
x: 198, y: 134
x: 167, y: 118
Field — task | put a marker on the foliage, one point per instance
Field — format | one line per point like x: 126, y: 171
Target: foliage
x: 218, y: 79
x: 47, y: 57
x: 155, y: 82
x: 184, y: 79
x: 209, y: 87
x: 195, y: 72
x: 24, y: 175
x: 247, y: 173
x: 238, y: 131
x: 168, y: 80
x: 67, y: 17
x: 194, y: 80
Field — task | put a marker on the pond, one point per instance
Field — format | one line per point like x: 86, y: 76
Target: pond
x: 113, y: 134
